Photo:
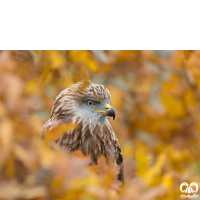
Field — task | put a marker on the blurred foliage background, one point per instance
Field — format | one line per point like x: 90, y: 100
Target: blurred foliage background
x: 156, y: 97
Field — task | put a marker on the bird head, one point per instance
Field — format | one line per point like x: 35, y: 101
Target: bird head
x: 84, y: 100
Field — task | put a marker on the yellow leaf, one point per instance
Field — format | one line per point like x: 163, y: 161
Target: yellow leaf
x: 92, y: 65
x: 59, y: 130
x: 156, y: 169
x: 168, y: 181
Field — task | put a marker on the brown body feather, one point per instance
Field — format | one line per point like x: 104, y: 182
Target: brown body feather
x: 93, y: 137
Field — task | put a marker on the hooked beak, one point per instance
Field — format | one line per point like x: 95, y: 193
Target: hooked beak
x: 109, y: 111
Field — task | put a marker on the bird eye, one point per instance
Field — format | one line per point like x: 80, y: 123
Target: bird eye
x: 90, y: 103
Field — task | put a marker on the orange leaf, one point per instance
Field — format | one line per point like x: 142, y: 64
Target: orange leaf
x: 59, y: 130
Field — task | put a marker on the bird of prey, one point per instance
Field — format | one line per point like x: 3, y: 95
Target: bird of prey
x: 87, y: 105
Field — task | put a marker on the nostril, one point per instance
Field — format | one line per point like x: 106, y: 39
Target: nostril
x: 107, y: 107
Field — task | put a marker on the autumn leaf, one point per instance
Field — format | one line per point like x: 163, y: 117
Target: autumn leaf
x: 59, y: 130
